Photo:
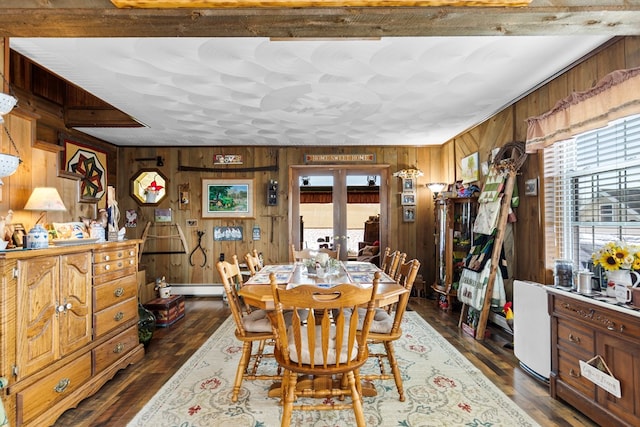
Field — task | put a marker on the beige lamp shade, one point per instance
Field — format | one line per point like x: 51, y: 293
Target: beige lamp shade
x: 45, y: 199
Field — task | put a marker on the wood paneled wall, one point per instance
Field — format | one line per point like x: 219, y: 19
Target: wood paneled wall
x: 438, y: 163
x: 414, y: 238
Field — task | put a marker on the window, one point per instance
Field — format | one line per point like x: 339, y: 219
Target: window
x: 592, y: 191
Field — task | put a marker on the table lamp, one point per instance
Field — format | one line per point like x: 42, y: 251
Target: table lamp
x: 43, y: 199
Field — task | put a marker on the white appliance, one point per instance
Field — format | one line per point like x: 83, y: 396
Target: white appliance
x: 532, y: 328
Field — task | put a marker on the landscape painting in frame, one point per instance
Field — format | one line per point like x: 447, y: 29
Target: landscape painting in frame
x: 228, y: 198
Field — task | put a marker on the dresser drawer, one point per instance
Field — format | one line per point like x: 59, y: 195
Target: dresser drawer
x: 575, y: 339
x: 569, y: 373
x: 114, y: 292
x: 115, y: 255
x: 594, y: 316
x: 115, y: 348
x: 42, y: 395
x: 114, y: 316
x: 113, y: 266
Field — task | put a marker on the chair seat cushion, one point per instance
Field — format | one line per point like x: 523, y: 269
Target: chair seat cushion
x: 318, y: 357
x: 382, y: 321
x: 256, y: 321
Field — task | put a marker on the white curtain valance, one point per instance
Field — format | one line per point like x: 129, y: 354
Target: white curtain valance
x: 615, y: 96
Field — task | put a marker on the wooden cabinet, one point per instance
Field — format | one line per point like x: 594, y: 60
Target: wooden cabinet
x: 68, y: 323
x: 582, y: 328
x: 453, y: 239
x: 54, y: 310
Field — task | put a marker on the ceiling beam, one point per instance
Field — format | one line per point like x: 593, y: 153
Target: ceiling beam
x: 100, y: 18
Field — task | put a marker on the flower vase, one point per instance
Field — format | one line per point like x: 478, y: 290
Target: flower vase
x: 622, y: 277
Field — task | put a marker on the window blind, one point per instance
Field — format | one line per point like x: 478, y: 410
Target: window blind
x: 592, y: 191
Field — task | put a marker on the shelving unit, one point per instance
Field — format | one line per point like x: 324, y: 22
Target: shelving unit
x: 453, y: 238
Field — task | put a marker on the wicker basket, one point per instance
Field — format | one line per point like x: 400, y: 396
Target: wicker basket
x: 7, y: 102
x: 8, y: 164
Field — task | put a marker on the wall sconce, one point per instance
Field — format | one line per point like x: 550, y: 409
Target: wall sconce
x: 371, y: 181
x: 43, y: 199
x: 305, y: 180
x: 436, y: 188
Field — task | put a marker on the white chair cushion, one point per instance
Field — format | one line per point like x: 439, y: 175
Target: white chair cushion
x: 331, y: 356
x: 382, y: 321
x: 256, y: 321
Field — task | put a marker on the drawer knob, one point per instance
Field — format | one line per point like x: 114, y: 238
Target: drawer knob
x: 131, y: 262
x: 62, y: 385
x: 107, y: 257
x: 119, y: 292
x: 120, y: 265
x: 107, y: 267
x: 118, y: 348
x: 119, y: 316
x: 131, y: 253
x: 574, y: 339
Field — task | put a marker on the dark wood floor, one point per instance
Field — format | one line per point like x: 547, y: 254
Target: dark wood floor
x: 121, y: 398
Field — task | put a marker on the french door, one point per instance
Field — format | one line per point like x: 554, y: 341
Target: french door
x: 326, y: 208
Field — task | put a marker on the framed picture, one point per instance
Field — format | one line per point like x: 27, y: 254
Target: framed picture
x: 531, y: 187
x: 408, y: 184
x: 88, y: 165
x: 408, y: 213
x: 163, y: 215
x: 228, y: 198
x: 227, y: 233
x: 469, y: 166
x: 408, y: 198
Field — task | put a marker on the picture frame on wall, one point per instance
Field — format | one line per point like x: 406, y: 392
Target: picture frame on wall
x: 408, y: 213
x: 228, y: 198
x: 408, y: 198
x: 228, y: 233
x: 531, y: 187
x: 408, y: 184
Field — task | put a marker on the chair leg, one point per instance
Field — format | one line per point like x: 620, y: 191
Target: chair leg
x: 242, y: 368
x: 289, y: 397
x: 393, y: 362
x: 356, y: 400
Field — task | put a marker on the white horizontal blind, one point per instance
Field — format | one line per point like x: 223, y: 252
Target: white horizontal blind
x: 592, y: 191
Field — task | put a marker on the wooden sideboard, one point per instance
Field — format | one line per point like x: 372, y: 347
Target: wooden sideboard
x: 68, y: 324
x: 582, y: 328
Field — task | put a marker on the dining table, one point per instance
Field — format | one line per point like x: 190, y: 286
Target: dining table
x: 256, y: 291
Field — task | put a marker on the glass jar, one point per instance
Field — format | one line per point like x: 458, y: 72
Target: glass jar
x: 563, y: 273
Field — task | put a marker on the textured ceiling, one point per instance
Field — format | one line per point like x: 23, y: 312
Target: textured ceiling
x: 253, y: 91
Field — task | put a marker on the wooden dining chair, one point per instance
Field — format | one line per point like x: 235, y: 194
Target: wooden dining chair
x: 386, y: 328
x: 252, y: 326
x: 299, y: 255
x: 335, y: 253
x: 252, y: 259
x: 323, y: 342
x: 390, y: 262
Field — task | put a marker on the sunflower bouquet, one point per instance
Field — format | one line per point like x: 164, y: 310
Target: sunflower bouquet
x: 617, y: 255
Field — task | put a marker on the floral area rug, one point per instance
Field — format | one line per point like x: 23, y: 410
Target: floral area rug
x: 442, y: 388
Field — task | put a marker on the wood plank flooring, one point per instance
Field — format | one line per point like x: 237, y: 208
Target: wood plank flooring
x: 121, y: 398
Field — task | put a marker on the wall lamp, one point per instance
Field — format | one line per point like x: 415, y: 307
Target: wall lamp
x: 436, y: 188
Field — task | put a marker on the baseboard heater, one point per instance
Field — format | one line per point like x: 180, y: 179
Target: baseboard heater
x: 199, y: 290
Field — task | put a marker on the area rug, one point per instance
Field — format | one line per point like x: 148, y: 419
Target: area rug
x: 442, y: 388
